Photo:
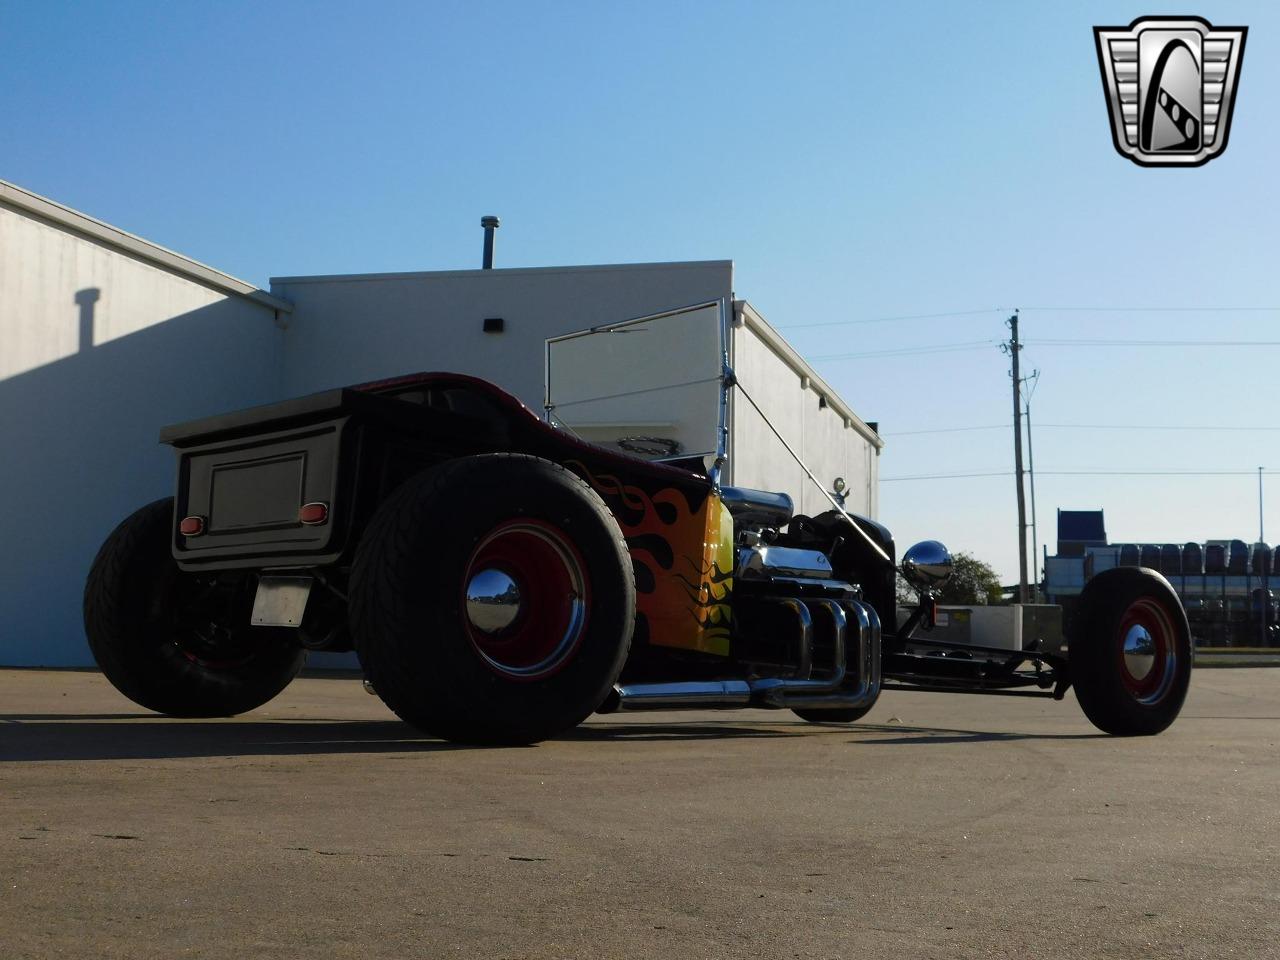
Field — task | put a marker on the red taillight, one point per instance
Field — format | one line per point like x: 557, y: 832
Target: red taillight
x: 313, y: 513
x: 191, y: 526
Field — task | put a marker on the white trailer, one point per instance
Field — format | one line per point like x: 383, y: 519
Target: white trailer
x: 494, y: 324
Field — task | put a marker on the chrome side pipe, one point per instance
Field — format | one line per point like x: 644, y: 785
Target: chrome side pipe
x: 693, y: 695
x: 832, y: 692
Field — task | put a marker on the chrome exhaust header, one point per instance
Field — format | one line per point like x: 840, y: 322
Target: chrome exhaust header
x: 855, y: 626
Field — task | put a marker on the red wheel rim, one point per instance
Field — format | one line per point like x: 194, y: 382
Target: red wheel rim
x: 1146, y: 651
x: 525, y: 595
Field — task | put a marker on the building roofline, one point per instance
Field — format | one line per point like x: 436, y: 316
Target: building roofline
x: 501, y: 272
x: 53, y: 212
x: 760, y: 326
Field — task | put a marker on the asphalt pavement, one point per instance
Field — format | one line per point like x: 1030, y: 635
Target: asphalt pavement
x: 940, y: 826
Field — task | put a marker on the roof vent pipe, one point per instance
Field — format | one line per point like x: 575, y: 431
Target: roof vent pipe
x: 490, y: 224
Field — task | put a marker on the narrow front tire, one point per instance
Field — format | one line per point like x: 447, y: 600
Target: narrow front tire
x: 1130, y: 652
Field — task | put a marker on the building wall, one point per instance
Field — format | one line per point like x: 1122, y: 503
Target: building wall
x: 347, y: 329
x: 1223, y: 608
x: 98, y: 350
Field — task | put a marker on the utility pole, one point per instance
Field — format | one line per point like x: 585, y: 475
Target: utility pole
x: 1262, y: 536
x: 1264, y: 607
x: 1013, y: 347
x: 1031, y: 475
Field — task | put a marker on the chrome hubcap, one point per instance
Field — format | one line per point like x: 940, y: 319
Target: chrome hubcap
x: 493, y: 601
x: 1139, y: 652
x: 525, y: 599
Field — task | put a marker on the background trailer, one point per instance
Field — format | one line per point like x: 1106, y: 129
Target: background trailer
x: 105, y: 338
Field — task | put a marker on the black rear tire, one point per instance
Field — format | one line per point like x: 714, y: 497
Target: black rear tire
x: 179, y: 643
x: 1130, y: 652
x: 425, y: 654
x: 850, y: 715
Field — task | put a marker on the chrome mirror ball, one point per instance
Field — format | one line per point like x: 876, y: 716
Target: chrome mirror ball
x: 927, y: 565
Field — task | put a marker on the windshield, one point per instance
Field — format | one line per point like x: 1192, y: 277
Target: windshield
x: 650, y: 386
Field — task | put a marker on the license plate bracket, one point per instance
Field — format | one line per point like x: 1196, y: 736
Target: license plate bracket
x: 280, y: 601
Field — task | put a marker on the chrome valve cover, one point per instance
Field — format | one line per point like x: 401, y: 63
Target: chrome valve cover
x: 762, y: 562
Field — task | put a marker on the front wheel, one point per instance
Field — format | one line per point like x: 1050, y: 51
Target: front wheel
x: 175, y: 642
x: 1130, y: 649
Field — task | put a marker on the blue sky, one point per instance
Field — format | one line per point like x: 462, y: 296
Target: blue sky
x: 857, y: 161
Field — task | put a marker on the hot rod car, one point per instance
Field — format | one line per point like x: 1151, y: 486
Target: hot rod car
x: 501, y: 578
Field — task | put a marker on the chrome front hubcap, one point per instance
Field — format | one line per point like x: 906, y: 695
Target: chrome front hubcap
x: 1139, y: 652
x: 493, y: 601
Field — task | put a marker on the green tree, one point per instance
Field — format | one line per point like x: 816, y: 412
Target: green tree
x: 972, y: 583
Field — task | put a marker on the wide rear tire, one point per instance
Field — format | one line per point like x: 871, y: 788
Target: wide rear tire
x: 493, y: 600
x: 180, y: 643
x: 1130, y: 652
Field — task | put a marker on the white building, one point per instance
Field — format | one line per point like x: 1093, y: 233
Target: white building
x: 105, y: 338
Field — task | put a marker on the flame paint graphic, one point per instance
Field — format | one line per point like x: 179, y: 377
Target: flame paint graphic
x: 709, y: 594
x: 665, y: 532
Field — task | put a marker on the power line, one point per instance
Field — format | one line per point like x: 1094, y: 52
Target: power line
x: 965, y: 345
x: 914, y: 316
x: 946, y: 476
x: 1131, y: 426
x: 1153, y: 309
x: 909, y: 351
x: 1088, y: 426
x: 1152, y: 343
x: 1079, y: 473
x: 1148, y: 473
x: 998, y: 310
x: 916, y: 433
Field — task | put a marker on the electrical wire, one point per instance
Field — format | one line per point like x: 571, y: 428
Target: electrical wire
x: 966, y: 345
x: 1150, y: 343
x: 909, y: 351
x: 1024, y: 310
x: 1147, y: 473
x: 1132, y: 426
x: 1150, y: 309
x: 946, y: 476
x: 917, y: 433
x: 915, y: 316
x: 1080, y: 473
x: 1086, y: 426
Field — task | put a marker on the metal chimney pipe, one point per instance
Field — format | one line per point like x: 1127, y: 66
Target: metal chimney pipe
x: 490, y: 224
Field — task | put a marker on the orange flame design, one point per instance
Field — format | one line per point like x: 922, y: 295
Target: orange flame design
x: 664, y: 533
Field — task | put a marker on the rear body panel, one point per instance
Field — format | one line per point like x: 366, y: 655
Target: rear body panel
x: 249, y: 491
x: 246, y: 474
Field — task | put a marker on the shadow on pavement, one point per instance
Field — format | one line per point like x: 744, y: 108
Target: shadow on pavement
x: 624, y: 732
x: 35, y: 737
x: 935, y: 735
x: 28, y: 717
x: 76, y: 739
